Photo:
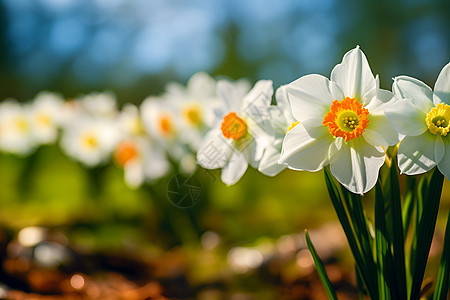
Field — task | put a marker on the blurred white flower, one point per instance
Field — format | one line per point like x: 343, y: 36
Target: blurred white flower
x: 15, y: 129
x: 90, y: 141
x: 163, y: 124
x: 130, y: 123
x: 99, y: 104
x: 280, y: 122
x: 194, y: 105
x: 45, y: 117
x: 141, y: 159
x: 237, y: 139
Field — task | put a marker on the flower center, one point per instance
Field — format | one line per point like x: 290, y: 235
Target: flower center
x: 125, y: 152
x: 292, y: 126
x: 346, y: 119
x: 165, y: 124
x: 233, y: 127
x: 90, y: 141
x: 438, y: 119
x: 193, y: 115
x: 44, y: 120
x: 21, y: 124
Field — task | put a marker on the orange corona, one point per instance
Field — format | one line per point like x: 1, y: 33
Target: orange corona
x: 165, y: 125
x: 346, y: 119
x: 125, y: 152
x: 233, y: 127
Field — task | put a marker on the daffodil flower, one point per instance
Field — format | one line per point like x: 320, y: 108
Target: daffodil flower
x: 15, y: 129
x: 90, y: 141
x: 162, y: 123
x: 423, y: 116
x: 141, y: 160
x: 341, y: 124
x: 237, y: 138
x: 140, y: 157
x: 45, y: 117
x: 279, y: 123
x: 194, y: 104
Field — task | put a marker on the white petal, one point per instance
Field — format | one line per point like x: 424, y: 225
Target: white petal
x: 201, y: 85
x: 442, y: 86
x: 416, y: 91
x: 215, y: 150
x: 281, y: 96
x: 260, y: 94
x: 156, y: 164
x: 256, y: 106
x: 269, y: 163
x: 134, y: 174
x: 406, y: 118
x: 231, y: 96
x: 353, y: 75
x: 236, y: 167
x: 283, y: 104
x: 306, y: 148
x: 381, y: 101
x: 311, y: 96
x: 444, y: 164
x: 379, y: 131
x: 416, y: 154
x: 439, y: 149
x: 253, y: 149
x: 356, y: 164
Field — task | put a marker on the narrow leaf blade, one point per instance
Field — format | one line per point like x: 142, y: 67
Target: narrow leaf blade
x: 443, y: 277
x: 383, y: 253
x: 320, y: 269
x: 426, y: 231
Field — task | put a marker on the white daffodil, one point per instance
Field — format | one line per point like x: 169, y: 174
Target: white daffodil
x: 195, y: 104
x: 130, y: 123
x: 15, y: 129
x: 162, y: 123
x: 99, y: 104
x: 423, y: 116
x: 342, y: 124
x: 45, y: 117
x: 90, y: 141
x: 237, y: 139
x: 280, y: 121
x: 142, y: 160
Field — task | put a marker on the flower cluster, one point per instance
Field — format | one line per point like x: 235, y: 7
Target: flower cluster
x: 345, y: 122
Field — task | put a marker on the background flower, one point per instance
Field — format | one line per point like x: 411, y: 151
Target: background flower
x: 236, y: 139
x: 46, y: 117
x: 15, y: 129
x: 423, y: 116
x: 279, y: 122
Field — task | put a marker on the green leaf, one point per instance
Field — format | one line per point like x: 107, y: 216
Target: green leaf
x: 320, y: 269
x: 369, y: 279
x: 383, y: 253
x: 358, y: 220
x: 408, y: 203
x: 443, y: 277
x: 425, y: 231
x: 393, y: 199
x: 421, y: 194
x: 359, y: 285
